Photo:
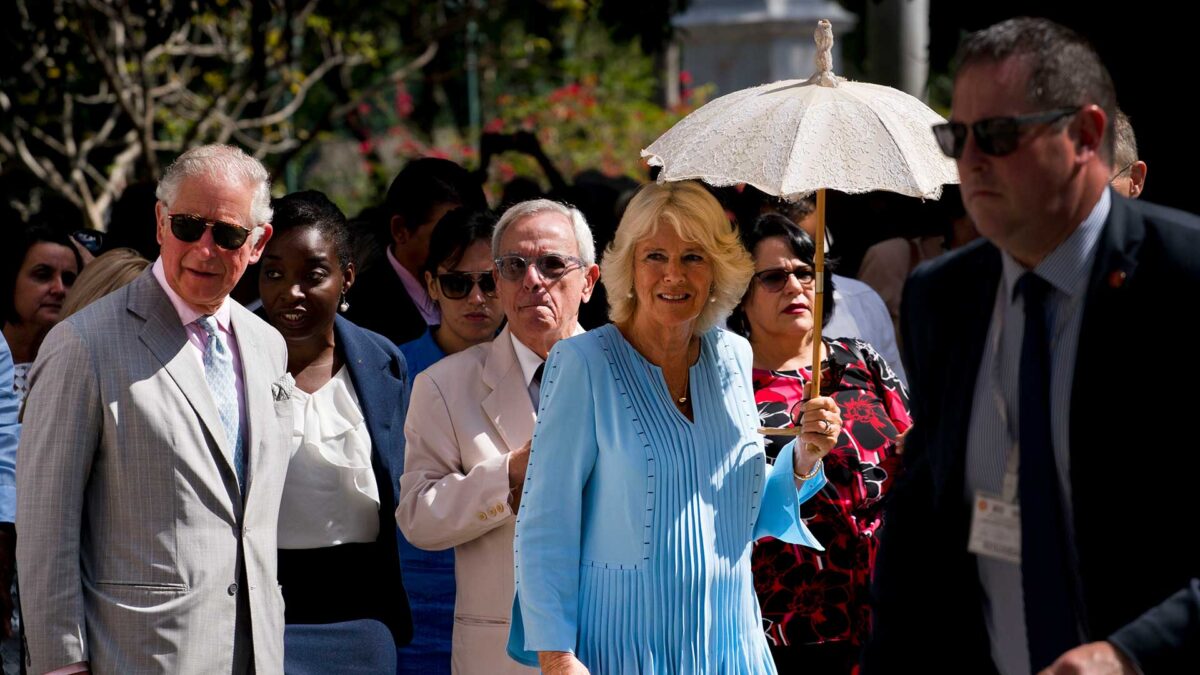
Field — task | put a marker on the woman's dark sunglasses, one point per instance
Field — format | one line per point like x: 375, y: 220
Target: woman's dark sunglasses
x: 996, y: 136
x: 551, y: 266
x: 774, y: 279
x: 458, y: 285
x: 188, y: 228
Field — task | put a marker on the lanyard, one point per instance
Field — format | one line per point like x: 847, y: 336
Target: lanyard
x: 1012, y: 465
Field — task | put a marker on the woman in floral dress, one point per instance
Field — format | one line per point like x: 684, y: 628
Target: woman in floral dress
x: 815, y: 604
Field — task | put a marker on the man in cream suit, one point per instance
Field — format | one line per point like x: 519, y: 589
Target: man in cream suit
x: 154, y: 452
x: 471, y: 418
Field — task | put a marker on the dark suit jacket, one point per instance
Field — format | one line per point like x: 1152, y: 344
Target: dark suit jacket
x: 379, y: 302
x: 1130, y: 455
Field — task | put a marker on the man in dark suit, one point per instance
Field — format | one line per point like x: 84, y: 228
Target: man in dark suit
x: 390, y: 297
x: 1036, y: 529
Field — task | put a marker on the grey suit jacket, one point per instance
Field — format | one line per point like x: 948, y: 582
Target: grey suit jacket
x: 136, y: 550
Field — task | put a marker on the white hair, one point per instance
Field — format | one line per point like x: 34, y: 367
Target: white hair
x: 522, y: 210
x: 225, y: 162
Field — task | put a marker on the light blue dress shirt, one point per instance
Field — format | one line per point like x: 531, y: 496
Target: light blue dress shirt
x: 994, y: 419
x: 10, y: 433
x: 634, y: 534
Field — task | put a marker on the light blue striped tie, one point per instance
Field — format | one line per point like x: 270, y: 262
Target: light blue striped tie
x: 218, y: 370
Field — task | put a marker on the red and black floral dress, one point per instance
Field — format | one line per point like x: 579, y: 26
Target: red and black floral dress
x: 815, y: 603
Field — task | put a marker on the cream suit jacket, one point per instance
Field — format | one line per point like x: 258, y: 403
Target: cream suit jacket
x: 466, y: 413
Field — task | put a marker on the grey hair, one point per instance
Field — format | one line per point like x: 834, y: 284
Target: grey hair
x: 1125, y: 150
x: 522, y: 210
x: 221, y: 161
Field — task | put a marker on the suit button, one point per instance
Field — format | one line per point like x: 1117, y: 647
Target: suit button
x: 232, y: 589
x: 482, y: 515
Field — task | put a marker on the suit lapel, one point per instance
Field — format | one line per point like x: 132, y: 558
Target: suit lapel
x: 1107, y: 331
x: 508, y: 405
x: 973, y: 299
x: 368, y: 365
x: 167, y: 339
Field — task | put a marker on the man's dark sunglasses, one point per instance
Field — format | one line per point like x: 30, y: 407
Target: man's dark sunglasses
x: 774, y: 279
x: 996, y: 136
x: 188, y: 228
x: 458, y: 285
x: 551, y: 266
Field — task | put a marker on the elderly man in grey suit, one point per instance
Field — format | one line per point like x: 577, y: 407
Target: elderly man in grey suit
x: 154, y: 453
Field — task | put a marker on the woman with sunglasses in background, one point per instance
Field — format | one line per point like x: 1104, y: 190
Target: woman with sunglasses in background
x: 458, y: 275
x: 815, y: 603
x: 39, y: 267
x: 338, y: 558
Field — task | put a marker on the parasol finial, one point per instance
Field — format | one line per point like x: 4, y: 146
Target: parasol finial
x: 823, y: 36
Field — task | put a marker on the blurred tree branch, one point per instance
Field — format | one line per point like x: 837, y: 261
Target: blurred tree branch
x: 94, y: 90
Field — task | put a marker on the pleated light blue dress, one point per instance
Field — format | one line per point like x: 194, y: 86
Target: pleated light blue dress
x: 635, y: 528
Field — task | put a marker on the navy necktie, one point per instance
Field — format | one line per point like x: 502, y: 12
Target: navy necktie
x: 1051, y: 624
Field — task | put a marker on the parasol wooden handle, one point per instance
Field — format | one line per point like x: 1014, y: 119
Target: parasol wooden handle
x: 818, y: 300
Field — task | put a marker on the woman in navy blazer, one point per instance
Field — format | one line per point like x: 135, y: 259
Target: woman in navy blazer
x: 338, y: 560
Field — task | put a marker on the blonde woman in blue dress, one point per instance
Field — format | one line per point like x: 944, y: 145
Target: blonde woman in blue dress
x: 647, y: 482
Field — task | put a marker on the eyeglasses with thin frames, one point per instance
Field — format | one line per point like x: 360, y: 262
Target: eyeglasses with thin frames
x: 773, y: 280
x: 551, y: 266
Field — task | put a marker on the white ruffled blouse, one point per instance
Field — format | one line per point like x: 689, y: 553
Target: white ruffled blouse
x: 331, y: 496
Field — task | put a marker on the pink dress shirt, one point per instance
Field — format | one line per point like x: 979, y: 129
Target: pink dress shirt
x: 416, y: 290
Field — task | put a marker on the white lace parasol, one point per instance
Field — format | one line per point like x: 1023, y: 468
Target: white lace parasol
x: 796, y: 137
x: 793, y: 137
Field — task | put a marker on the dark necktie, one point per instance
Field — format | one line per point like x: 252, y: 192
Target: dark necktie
x: 535, y: 388
x: 1051, y: 624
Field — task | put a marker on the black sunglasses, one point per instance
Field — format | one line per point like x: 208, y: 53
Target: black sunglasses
x: 774, y: 279
x: 551, y: 266
x: 188, y: 228
x: 996, y: 136
x: 458, y: 285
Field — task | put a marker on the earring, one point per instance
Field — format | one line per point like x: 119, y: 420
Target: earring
x: 343, y: 306
x: 629, y: 294
x: 712, y: 297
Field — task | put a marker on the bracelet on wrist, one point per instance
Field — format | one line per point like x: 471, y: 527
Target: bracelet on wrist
x: 812, y: 472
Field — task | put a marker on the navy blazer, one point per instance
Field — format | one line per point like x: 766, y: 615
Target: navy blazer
x: 380, y: 379
x: 1130, y: 487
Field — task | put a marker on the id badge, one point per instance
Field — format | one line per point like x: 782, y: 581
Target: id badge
x: 995, y: 528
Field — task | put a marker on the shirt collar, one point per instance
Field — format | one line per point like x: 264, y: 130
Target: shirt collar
x: 1067, y: 266
x: 187, y: 314
x: 416, y: 290
x: 528, y: 358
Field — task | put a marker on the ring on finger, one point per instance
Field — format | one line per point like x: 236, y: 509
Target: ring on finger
x: 826, y: 427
